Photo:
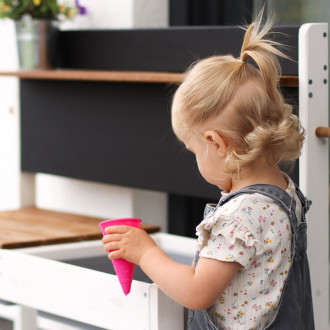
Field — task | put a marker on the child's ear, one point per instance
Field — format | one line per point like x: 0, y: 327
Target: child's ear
x: 216, y: 141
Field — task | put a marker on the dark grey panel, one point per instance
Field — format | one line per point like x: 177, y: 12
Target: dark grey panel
x: 106, y: 132
x: 171, y: 49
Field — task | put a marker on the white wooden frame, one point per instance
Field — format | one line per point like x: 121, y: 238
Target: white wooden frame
x: 314, y: 162
x: 32, y: 277
x: 34, y: 280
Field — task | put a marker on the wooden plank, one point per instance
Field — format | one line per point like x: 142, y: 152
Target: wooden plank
x: 120, y: 76
x: 289, y: 81
x: 33, y: 227
x: 73, y: 292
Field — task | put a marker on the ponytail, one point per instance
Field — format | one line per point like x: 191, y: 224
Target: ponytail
x: 264, y: 53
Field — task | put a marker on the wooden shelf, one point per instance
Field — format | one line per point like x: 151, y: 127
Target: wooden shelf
x: 117, y: 76
x: 33, y: 227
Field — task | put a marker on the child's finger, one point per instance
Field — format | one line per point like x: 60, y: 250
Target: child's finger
x: 111, y: 246
x: 114, y: 254
x: 111, y: 238
x: 106, y: 239
x: 117, y: 229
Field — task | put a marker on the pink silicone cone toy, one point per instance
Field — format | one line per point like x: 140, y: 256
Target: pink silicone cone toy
x: 124, y: 269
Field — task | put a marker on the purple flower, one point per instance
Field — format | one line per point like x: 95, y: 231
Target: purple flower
x: 82, y: 10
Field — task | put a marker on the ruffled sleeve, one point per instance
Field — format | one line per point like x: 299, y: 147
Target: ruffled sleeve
x: 227, y: 238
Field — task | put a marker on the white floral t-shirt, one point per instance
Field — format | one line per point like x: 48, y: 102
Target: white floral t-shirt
x: 253, y: 230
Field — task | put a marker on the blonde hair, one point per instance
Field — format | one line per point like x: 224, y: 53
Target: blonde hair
x: 262, y: 123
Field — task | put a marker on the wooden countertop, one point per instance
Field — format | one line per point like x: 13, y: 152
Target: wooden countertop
x: 28, y: 227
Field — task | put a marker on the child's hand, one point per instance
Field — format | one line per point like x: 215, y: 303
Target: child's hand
x: 127, y: 242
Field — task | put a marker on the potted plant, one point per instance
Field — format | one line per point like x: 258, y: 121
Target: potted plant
x: 33, y: 22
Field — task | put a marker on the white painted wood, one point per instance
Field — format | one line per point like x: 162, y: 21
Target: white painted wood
x: 28, y: 277
x: 9, y: 312
x: 74, y: 292
x: 44, y: 321
x: 101, y: 200
x: 9, y: 121
x: 66, y: 251
x: 27, y: 318
x: 164, y: 313
x: 151, y: 206
x: 176, y: 244
x: 9, y: 144
x: 27, y: 189
x: 172, y: 244
x: 8, y: 54
x: 16, y: 188
x: 170, y: 314
x: 314, y: 165
x: 51, y: 322
x: 83, y: 197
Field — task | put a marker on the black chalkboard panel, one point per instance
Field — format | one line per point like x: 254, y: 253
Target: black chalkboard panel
x: 169, y: 50
x: 107, y: 132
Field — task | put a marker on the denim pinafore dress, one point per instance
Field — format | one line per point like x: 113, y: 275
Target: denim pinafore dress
x: 295, y: 310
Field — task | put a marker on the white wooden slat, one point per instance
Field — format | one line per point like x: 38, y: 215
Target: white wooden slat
x: 66, y: 251
x: 170, y: 243
x: 165, y: 313
x: 74, y: 292
x: 27, y: 319
x: 314, y: 164
x: 176, y: 244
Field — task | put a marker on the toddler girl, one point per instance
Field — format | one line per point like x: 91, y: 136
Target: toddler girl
x: 251, y: 269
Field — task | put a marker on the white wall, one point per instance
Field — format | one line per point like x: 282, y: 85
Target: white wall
x: 61, y: 193
x: 114, y: 14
